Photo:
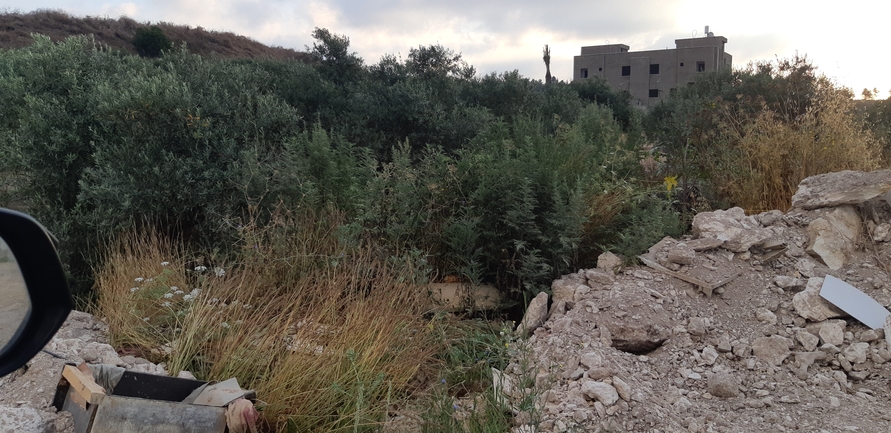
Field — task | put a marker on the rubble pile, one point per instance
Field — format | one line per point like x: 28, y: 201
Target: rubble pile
x: 725, y: 330
x: 26, y: 395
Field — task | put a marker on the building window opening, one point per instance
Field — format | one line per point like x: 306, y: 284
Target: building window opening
x: 700, y: 66
x: 654, y: 69
x: 599, y: 69
x: 584, y: 73
x: 682, y: 64
x: 654, y: 93
x: 626, y: 71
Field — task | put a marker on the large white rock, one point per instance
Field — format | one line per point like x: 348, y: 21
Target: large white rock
x: 810, y: 305
x: 843, y: 187
x: 834, y: 236
x: 536, y: 314
x: 737, y: 231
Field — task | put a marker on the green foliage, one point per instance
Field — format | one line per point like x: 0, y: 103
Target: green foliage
x: 489, y: 179
x: 754, y: 133
x: 151, y: 41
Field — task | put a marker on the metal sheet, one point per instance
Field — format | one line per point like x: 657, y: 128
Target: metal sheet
x: 135, y: 415
x: 854, y: 302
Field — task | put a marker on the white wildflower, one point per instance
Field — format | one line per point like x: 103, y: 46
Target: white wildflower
x: 165, y: 304
x: 139, y: 279
x: 200, y: 268
x: 187, y: 297
x: 133, y: 289
x: 195, y: 292
x: 168, y: 295
x: 145, y: 319
x: 149, y: 280
x: 225, y: 325
x: 178, y: 292
x: 219, y: 272
x: 173, y: 288
x: 165, y: 263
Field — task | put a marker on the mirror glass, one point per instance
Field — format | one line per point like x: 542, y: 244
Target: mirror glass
x: 15, y: 304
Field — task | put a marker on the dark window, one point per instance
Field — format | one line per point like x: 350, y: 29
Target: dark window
x: 682, y: 63
x: 599, y: 69
x: 654, y: 69
x: 584, y: 72
x: 626, y: 71
x: 700, y: 66
x: 654, y: 93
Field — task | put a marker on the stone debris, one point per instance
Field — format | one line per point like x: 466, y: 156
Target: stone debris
x: 759, y: 354
x: 536, y: 313
x: 834, y: 236
x: 26, y: 396
x: 840, y: 188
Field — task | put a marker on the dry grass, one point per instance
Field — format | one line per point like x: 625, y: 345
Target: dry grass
x: 766, y: 159
x: 327, y: 334
x: 16, y: 29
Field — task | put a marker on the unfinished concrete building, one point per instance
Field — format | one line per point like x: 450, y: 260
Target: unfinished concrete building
x: 652, y: 75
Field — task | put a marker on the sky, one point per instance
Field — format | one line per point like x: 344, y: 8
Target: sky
x: 843, y: 39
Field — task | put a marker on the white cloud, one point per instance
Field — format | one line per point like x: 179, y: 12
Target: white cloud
x: 498, y: 36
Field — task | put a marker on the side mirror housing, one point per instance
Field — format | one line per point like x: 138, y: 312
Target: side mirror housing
x: 47, y: 290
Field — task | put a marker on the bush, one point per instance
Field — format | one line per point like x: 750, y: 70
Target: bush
x: 151, y: 41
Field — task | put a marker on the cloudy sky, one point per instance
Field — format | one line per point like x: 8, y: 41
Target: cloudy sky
x: 841, y: 37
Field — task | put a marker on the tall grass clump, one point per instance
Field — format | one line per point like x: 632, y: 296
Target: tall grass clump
x: 768, y: 157
x: 327, y: 334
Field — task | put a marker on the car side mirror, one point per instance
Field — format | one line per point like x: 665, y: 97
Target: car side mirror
x: 34, y: 296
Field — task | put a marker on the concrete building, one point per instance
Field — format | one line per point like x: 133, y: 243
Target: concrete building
x: 652, y: 75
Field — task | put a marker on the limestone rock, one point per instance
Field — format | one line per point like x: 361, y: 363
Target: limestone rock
x: 600, y: 392
x: 709, y: 355
x: 840, y: 188
x: 536, y: 314
x: 599, y: 277
x: 737, y: 231
x: 564, y: 289
x: 622, y: 388
x: 856, y: 353
x: 834, y: 236
x: 704, y: 244
x: 832, y: 333
x: 811, y: 306
x: 681, y: 254
x: 609, y: 262
x: 882, y: 233
x: 786, y: 282
x: 772, y: 350
x: 807, y: 340
x: 723, y: 385
x: 765, y: 316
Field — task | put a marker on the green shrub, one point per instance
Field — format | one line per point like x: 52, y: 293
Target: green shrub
x: 151, y: 41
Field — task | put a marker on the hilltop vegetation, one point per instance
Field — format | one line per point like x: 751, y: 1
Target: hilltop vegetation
x: 16, y: 30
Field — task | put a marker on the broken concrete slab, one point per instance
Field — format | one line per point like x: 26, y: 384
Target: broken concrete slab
x: 737, y: 231
x: 834, y: 236
x: 840, y: 188
x: 461, y: 296
x: 854, y: 302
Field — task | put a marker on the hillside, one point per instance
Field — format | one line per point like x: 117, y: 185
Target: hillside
x: 16, y: 30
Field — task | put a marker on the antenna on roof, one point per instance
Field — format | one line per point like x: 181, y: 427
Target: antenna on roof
x: 708, y: 33
x: 694, y: 33
x: 606, y: 41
